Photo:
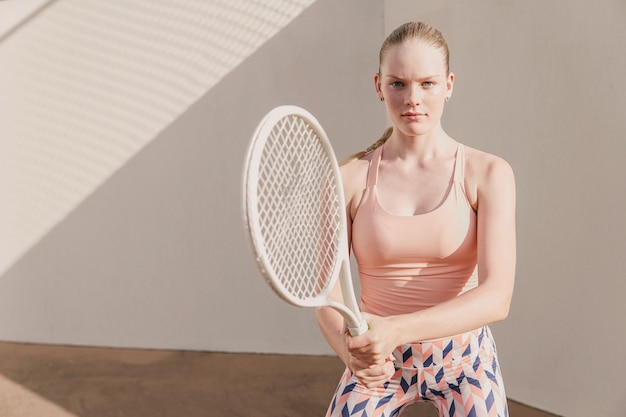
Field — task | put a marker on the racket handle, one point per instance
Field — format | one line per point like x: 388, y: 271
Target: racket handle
x: 359, y: 330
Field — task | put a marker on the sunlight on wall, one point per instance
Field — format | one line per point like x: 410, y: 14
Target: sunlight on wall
x: 15, y: 12
x: 86, y: 84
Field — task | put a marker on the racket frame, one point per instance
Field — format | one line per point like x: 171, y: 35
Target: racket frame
x: 349, y: 309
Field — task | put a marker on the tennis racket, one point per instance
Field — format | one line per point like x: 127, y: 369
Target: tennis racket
x: 294, y: 211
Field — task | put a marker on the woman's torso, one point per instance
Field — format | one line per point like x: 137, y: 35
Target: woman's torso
x: 408, y: 263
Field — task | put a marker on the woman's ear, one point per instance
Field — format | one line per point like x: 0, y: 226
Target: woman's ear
x: 377, y: 86
x: 450, y: 84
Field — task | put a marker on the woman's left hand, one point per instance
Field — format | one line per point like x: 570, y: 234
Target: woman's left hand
x: 374, y: 347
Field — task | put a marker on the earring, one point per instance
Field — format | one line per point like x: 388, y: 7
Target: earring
x: 382, y: 98
x: 447, y: 98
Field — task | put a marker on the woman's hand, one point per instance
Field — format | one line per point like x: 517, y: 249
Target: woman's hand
x: 371, y: 358
x: 371, y: 376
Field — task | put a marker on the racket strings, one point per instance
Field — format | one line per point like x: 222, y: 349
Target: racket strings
x: 299, y: 213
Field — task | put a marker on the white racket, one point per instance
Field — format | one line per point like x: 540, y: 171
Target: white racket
x: 294, y: 211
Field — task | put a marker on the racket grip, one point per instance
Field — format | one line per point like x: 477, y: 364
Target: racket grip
x: 359, y: 330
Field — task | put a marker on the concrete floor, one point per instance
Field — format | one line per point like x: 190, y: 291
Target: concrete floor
x: 61, y: 381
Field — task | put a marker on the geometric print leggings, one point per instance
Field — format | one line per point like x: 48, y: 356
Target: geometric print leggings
x: 460, y: 375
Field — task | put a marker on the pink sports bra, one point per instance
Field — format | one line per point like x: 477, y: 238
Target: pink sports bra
x: 408, y: 263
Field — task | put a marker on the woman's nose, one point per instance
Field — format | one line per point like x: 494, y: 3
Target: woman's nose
x: 414, y: 95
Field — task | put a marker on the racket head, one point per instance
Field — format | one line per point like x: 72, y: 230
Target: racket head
x: 294, y: 207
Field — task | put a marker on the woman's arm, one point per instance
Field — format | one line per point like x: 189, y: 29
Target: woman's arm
x: 331, y: 323
x: 333, y: 328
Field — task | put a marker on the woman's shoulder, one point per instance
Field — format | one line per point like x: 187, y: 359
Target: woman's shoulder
x: 354, y: 172
x: 486, y: 174
x: 480, y: 163
x: 354, y: 177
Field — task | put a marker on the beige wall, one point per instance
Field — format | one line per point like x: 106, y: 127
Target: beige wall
x: 542, y: 84
x: 157, y: 257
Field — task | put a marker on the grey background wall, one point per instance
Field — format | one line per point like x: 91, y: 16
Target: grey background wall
x: 153, y: 257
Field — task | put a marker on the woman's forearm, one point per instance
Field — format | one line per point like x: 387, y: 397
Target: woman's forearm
x: 331, y: 324
x: 478, y: 307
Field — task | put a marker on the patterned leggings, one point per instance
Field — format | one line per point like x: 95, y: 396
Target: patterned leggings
x: 459, y: 374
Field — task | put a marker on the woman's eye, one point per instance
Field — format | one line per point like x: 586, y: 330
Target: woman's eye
x: 428, y: 84
x: 397, y: 84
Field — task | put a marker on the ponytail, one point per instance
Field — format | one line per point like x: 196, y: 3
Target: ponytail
x: 372, y: 147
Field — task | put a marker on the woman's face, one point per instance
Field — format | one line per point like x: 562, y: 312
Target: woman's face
x: 414, y: 82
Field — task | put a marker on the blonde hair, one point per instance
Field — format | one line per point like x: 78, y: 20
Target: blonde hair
x: 373, y: 146
x: 411, y: 30
x: 416, y: 30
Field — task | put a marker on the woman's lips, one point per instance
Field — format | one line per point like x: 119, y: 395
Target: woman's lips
x: 413, y: 115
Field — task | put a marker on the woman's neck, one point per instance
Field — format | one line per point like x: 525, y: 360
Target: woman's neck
x: 421, y: 147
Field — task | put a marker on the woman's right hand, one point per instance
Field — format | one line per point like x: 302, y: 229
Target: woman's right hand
x: 371, y: 375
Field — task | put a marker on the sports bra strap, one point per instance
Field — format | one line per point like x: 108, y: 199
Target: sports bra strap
x: 459, y: 165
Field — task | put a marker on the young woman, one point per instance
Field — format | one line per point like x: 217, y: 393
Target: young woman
x: 432, y: 227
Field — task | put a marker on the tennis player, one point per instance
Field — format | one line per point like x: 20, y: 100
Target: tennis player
x: 432, y: 226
